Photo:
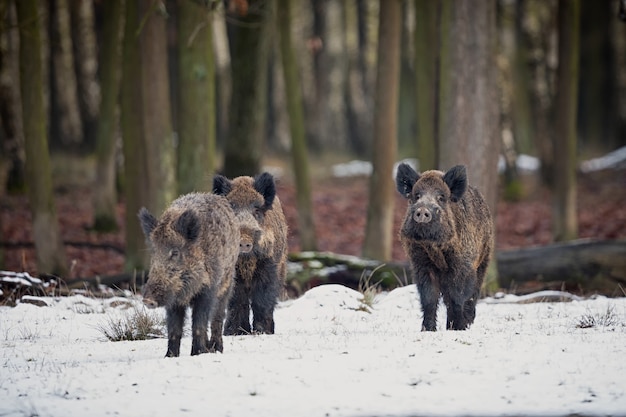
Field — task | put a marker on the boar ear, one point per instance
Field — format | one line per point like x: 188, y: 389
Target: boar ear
x: 406, y: 177
x: 266, y: 186
x: 456, y: 180
x: 187, y: 225
x: 147, y: 220
x: 221, y: 185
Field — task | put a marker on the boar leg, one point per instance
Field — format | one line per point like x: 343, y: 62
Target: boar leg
x: 175, y: 320
x: 238, y: 317
x: 216, y: 344
x: 202, y: 305
x: 428, y: 288
x: 263, y: 298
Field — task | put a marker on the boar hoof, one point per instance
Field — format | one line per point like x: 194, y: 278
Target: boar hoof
x: 216, y: 346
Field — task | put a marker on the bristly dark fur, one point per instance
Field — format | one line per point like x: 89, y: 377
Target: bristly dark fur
x: 450, y: 248
x: 261, y: 270
x: 194, y: 248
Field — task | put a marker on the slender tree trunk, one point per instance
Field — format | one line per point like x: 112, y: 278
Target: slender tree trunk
x: 196, y: 98
x: 378, y: 231
x: 135, y: 165
x: 105, y: 198
x: 564, y: 221
x: 65, y: 122
x: 85, y: 54
x: 249, y: 40
x: 12, y: 143
x: 48, y: 245
x: 426, y: 80
x: 296, y: 123
x: 158, y: 137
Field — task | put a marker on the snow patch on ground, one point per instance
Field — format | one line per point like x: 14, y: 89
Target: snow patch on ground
x: 329, y: 357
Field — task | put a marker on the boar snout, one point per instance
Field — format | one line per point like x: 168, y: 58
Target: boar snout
x: 249, y: 236
x: 422, y: 215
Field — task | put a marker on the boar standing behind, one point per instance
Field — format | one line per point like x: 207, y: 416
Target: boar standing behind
x: 194, y: 248
x: 448, y: 236
x: 262, y: 263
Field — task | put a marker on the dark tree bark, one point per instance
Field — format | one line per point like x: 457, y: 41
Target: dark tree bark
x: 196, y: 98
x: 378, y: 231
x: 426, y: 80
x: 12, y: 141
x: 110, y: 61
x: 564, y: 219
x: 85, y: 52
x: 249, y: 40
x: 306, y: 225
x: 48, y: 245
x: 135, y: 165
x: 65, y: 121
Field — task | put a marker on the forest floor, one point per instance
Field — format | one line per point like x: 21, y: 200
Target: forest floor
x: 340, y: 210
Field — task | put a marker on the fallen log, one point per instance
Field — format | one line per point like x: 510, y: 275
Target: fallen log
x: 582, y: 266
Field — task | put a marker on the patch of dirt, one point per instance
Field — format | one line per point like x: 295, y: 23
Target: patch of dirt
x: 340, y: 215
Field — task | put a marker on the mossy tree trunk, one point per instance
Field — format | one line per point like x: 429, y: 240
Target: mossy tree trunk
x: 135, y: 184
x: 306, y: 224
x: 104, y: 200
x: 249, y: 39
x: 48, y: 245
x: 564, y: 219
x: 426, y: 42
x: 196, y: 98
x: 378, y: 229
x: 158, y: 139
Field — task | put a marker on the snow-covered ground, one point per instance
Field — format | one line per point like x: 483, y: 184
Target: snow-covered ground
x: 331, y: 356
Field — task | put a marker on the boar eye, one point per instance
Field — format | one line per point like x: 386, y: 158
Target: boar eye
x: 441, y: 198
x: 174, y: 254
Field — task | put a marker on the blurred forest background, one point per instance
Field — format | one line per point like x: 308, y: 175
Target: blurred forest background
x: 110, y: 105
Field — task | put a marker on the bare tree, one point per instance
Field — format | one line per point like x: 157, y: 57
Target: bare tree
x: 196, y: 97
x: 249, y: 40
x: 564, y: 220
x: 48, y: 245
x: 296, y: 124
x: 110, y: 59
x: 378, y: 230
x: 468, y: 112
x: 85, y: 54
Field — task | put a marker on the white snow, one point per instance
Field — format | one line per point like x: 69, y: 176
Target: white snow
x: 330, y: 356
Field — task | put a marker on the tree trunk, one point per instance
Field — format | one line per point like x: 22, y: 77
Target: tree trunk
x: 468, y: 113
x: 86, y: 66
x: 158, y: 139
x: 306, y: 225
x: 12, y: 142
x: 426, y: 81
x: 378, y: 230
x: 249, y: 40
x: 65, y: 122
x: 110, y: 60
x: 196, y: 98
x: 564, y: 220
x: 135, y: 182
x: 48, y: 245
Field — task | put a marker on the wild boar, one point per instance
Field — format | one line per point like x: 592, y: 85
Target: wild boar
x: 262, y: 263
x: 194, y: 248
x: 447, y: 234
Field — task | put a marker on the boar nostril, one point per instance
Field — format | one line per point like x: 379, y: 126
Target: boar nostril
x: 245, y: 247
x: 422, y: 215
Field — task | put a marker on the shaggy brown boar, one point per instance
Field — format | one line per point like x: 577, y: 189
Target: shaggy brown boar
x: 194, y: 247
x: 262, y: 263
x: 448, y: 236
